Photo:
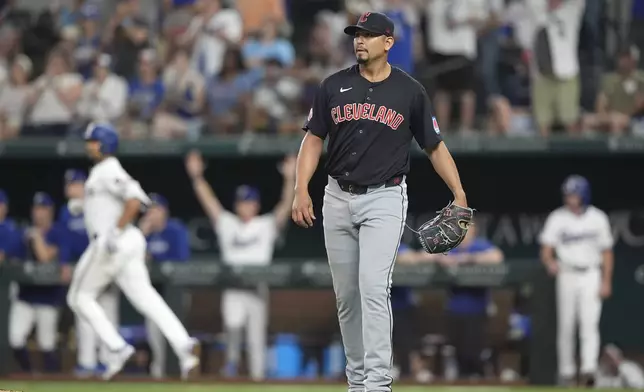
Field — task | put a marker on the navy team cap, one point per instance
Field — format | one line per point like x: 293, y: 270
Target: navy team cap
x: 43, y: 199
x: 75, y: 175
x: 159, y: 200
x: 373, y: 22
x: 247, y: 193
x: 3, y: 197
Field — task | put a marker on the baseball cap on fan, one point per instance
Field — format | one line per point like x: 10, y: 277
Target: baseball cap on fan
x: 159, y: 200
x: 43, y: 199
x: 247, y: 193
x: 74, y: 175
x: 373, y: 22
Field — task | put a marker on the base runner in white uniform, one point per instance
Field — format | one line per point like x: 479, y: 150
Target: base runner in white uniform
x: 116, y: 253
x: 577, y: 248
x: 245, y: 238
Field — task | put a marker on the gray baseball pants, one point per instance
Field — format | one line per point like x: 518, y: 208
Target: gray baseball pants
x: 362, y: 235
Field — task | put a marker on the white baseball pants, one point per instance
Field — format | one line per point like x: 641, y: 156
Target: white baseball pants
x: 126, y: 267
x: 578, y: 301
x: 23, y: 316
x: 246, y: 309
x: 89, y: 344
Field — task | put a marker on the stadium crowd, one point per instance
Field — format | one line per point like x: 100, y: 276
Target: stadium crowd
x: 178, y: 69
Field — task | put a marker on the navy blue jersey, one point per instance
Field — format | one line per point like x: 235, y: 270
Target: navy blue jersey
x: 76, y: 239
x: 37, y: 294
x: 470, y: 300
x: 169, y: 244
x: 10, y: 237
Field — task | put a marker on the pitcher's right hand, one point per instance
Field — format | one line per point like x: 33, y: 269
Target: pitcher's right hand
x: 302, y: 212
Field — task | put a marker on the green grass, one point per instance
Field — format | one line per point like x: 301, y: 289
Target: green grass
x: 42, y: 386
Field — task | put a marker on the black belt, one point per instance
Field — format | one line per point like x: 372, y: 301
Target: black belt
x: 362, y: 189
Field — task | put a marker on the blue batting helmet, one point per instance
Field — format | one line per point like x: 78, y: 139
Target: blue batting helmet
x: 105, y: 134
x: 577, y: 185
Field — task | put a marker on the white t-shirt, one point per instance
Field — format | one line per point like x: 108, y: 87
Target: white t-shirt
x: 275, y: 99
x: 563, y: 27
x: 208, y: 52
x: 578, y: 240
x: 105, y: 102
x: 107, y: 189
x: 49, y: 109
x: 13, y: 101
x: 630, y: 376
x: 251, y: 243
x: 461, y: 39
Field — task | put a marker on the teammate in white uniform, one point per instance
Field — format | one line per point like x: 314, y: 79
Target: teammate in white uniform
x: 577, y: 248
x: 116, y: 253
x: 244, y: 239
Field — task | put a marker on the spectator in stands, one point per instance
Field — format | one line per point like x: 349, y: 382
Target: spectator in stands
x: 104, y: 96
x: 185, y: 92
x: 10, y: 234
x: 53, y: 98
x: 404, y: 305
x: 211, y: 31
x: 89, y: 42
x: 490, y: 53
x: 176, y: 19
x: 145, y: 95
x: 555, y: 26
x: 9, y: 40
x: 467, y: 306
x: 38, y: 305
x: 275, y: 101
x: 621, y: 97
x: 13, y: 97
x: 127, y: 34
x: 230, y: 94
x: 167, y: 241
x: 452, y: 43
x: 68, y: 14
x: 69, y: 37
x: 265, y: 45
x: 406, y: 20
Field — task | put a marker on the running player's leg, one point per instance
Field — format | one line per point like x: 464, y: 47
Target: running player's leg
x: 382, y: 214
x: 22, y: 317
x: 256, y: 336
x: 47, y: 317
x: 90, y: 279
x: 134, y: 280
x: 341, y: 239
x: 88, y: 343
x: 158, y: 349
x: 567, y: 311
x: 109, y: 301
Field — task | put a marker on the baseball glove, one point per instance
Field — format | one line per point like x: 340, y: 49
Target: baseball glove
x: 447, y: 230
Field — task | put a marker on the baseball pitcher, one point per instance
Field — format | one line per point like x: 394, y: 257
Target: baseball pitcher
x: 245, y: 238
x: 116, y: 253
x: 577, y: 248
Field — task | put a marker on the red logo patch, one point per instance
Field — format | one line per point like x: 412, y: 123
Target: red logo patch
x: 364, y: 17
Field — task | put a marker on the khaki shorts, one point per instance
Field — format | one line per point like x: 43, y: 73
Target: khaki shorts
x: 555, y: 100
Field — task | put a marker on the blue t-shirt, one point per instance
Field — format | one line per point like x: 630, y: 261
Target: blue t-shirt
x: 38, y: 294
x: 469, y: 300
x: 224, y: 95
x: 402, y: 297
x: 402, y: 53
x: 169, y: 244
x: 10, y: 239
x: 279, y: 49
x: 147, y: 97
x: 76, y: 240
